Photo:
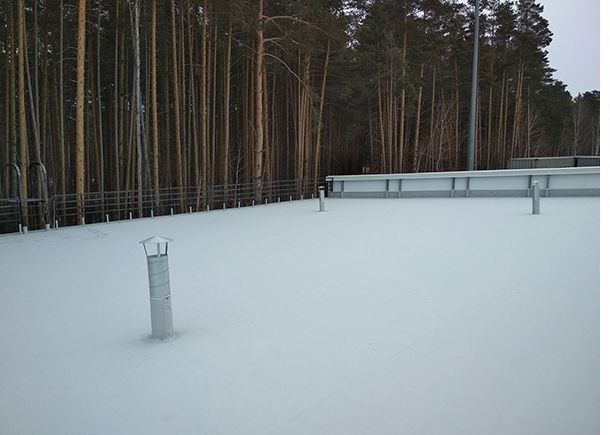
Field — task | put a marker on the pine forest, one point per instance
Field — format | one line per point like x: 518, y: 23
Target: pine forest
x: 142, y: 95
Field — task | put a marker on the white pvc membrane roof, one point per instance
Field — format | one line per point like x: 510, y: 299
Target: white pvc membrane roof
x: 379, y: 316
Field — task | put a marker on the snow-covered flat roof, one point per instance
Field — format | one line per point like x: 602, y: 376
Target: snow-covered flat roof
x: 379, y: 316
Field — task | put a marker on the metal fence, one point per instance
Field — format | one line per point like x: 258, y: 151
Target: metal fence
x: 63, y: 210
x: 553, y: 162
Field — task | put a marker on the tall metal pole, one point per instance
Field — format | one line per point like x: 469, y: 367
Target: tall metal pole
x: 473, y: 90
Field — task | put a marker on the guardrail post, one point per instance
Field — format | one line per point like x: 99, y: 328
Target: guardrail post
x: 535, y: 198
x: 321, y: 196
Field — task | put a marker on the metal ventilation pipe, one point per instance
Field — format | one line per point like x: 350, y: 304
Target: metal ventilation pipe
x: 535, y: 198
x: 161, y: 317
x: 321, y: 196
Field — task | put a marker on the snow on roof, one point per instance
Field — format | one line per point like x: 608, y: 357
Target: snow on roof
x: 379, y: 316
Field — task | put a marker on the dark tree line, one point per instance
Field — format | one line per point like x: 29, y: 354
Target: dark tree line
x: 141, y: 94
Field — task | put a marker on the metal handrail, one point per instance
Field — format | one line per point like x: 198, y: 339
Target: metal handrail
x: 123, y: 204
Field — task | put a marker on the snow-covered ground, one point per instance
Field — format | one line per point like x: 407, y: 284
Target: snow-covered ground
x: 412, y: 316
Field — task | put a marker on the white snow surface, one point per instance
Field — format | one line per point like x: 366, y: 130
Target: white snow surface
x: 379, y: 316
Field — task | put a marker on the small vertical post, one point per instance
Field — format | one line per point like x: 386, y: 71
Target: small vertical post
x: 130, y: 215
x: 190, y: 209
x: 252, y: 203
x: 107, y: 219
x: 321, y: 196
x: 152, y: 213
x: 171, y: 211
x: 47, y: 227
x: 290, y: 198
x: 56, y: 224
x: 224, y: 206
x: 265, y: 201
x: 82, y: 220
x: 207, y: 207
x: 535, y: 198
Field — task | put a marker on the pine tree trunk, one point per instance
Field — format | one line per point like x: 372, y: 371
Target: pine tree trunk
x: 117, y: 165
x: 203, y: 106
x: 12, y: 106
x: 99, y: 106
x: 258, y: 148
x: 316, y: 158
x: 456, y: 157
x: 135, y: 9
x: 403, y: 96
x: 176, y: 89
x: 489, y: 119
x: 23, y: 139
x: 417, y: 122
x: 517, y: 119
x: 226, y: 114
x: 381, y: 130
x: 153, y: 103
x: 499, y: 143
x: 304, y: 124
x: 432, y: 110
x: 80, y: 108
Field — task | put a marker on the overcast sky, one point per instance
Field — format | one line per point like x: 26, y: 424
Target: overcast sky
x: 574, y: 52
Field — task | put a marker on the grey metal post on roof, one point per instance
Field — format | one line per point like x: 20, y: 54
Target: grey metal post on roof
x: 473, y: 90
x: 321, y: 194
x: 535, y: 198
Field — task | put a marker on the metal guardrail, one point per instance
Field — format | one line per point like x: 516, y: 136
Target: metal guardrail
x: 500, y: 183
x: 63, y: 210
x: 553, y: 162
